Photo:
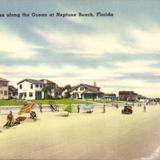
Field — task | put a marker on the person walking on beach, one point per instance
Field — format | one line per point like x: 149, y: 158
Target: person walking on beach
x: 104, y: 108
x: 78, y: 108
x: 40, y: 107
x: 144, y: 108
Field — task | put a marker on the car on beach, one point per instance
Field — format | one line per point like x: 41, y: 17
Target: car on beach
x: 127, y: 110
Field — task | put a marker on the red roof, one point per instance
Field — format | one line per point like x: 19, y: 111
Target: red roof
x: 2, y: 79
x: 48, y: 81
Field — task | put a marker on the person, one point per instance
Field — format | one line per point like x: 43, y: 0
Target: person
x: 33, y: 115
x: 104, y: 108
x: 9, y: 120
x: 40, y: 107
x: 144, y: 108
x: 78, y: 108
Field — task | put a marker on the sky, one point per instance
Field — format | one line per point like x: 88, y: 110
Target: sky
x: 119, y: 52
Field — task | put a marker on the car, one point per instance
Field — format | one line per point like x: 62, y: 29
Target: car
x: 127, y: 110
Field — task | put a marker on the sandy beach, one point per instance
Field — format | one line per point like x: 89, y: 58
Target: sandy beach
x: 110, y: 135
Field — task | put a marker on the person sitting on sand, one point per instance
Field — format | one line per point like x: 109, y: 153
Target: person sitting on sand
x: 33, y: 115
x: 9, y: 120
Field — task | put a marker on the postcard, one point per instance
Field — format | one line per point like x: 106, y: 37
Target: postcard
x: 80, y: 80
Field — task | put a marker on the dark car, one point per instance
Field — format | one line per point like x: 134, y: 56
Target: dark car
x: 127, y: 110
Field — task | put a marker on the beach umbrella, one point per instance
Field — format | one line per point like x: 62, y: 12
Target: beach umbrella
x: 88, y: 107
x: 70, y: 108
x: 27, y: 108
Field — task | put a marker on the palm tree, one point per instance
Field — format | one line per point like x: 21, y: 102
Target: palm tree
x: 67, y: 87
x: 47, y: 92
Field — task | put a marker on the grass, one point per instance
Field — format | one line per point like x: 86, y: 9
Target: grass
x: 60, y: 101
x: 11, y: 102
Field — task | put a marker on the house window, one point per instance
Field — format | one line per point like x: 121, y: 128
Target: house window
x: 20, y: 86
x: 41, y: 86
x: 1, y: 92
x: 36, y: 85
x: 5, y: 93
x: 31, y: 86
x: 30, y: 94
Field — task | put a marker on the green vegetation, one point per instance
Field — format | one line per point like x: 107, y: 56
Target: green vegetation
x: 61, y: 101
x: 58, y: 101
x: 11, y: 102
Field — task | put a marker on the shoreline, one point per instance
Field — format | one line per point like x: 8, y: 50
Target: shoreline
x: 84, y: 136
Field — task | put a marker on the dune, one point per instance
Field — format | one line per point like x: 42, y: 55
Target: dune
x: 108, y: 136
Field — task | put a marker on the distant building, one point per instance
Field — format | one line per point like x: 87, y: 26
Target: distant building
x: 85, y: 91
x: 3, y: 88
x: 110, y: 96
x: 30, y: 89
x: 13, y: 92
x: 128, y: 96
x: 56, y: 91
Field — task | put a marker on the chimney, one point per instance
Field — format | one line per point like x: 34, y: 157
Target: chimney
x: 94, y: 84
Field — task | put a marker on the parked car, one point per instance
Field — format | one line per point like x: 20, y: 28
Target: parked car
x: 127, y: 110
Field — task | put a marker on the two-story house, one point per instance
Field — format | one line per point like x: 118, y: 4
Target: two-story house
x: 56, y: 91
x: 3, y: 88
x: 85, y: 91
x: 30, y: 89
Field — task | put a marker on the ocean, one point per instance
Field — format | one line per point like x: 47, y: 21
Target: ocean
x: 154, y: 156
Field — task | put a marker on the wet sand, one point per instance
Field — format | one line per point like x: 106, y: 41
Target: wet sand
x: 109, y: 135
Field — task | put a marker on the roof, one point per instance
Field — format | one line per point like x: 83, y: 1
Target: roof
x: 33, y: 81
x: 12, y: 88
x: 127, y: 93
x: 89, y: 88
x: 48, y: 81
x: 2, y: 79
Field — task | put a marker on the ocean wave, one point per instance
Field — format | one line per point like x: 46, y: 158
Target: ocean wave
x: 154, y: 156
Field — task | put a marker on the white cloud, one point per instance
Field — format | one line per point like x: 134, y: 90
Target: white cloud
x: 98, y: 44
x: 15, y: 47
x: 93, y: 45
x: 145, y: 41
x: 106, y: 78
x: 136, y: 66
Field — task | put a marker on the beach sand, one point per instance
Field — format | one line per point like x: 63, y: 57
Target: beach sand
x: 110, y: 135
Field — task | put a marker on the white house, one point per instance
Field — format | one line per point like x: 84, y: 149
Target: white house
x: 30, y: 89
x: 85, y: 91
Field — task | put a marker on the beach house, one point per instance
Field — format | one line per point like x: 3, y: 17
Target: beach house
x: 110, y: 96
x: 85, y: 91
x: 30, y: 89
x: 56, y: 91
x: 3, y: 88
x: 128, y: 96
x: 13, y: 92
